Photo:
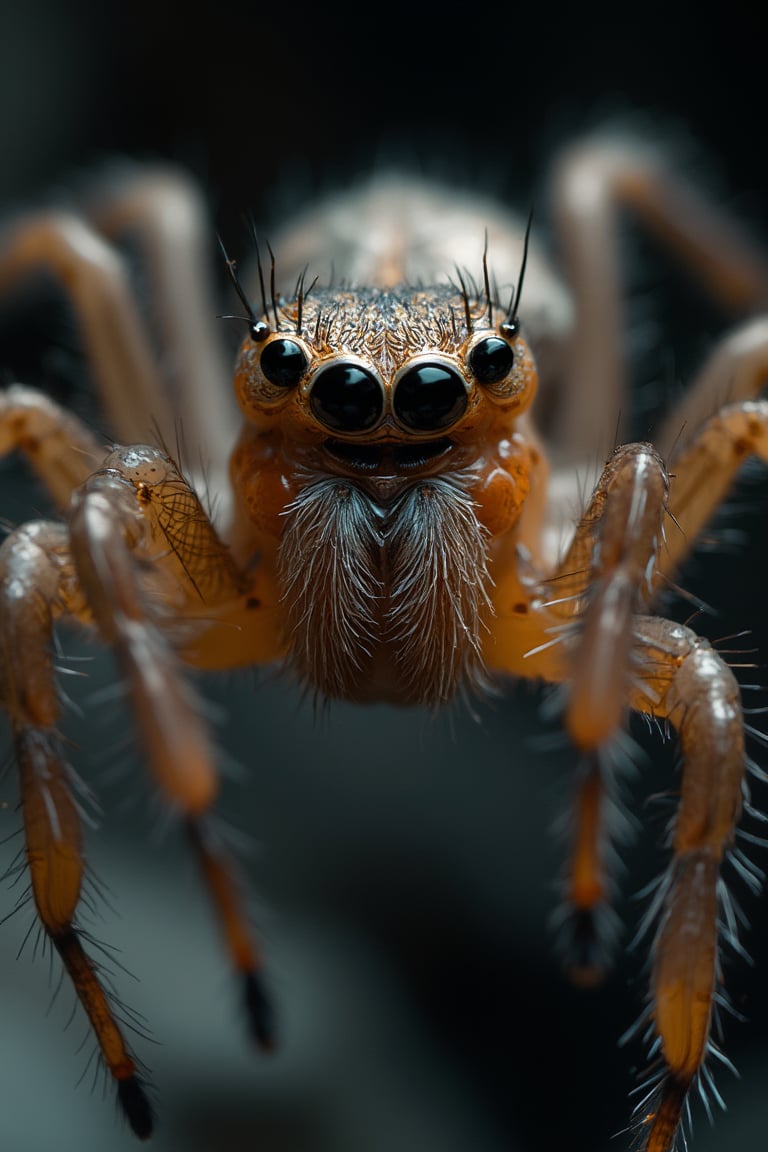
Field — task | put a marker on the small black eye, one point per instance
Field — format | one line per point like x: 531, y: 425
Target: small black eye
x: 491, y: 360
x: 347, y: 398
x: 283, y: 362
x: 429, y: 397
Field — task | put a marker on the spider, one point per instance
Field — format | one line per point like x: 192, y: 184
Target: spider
x: 391, y: 513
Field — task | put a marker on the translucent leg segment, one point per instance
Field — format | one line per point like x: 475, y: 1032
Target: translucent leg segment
x: 594, y: 183
x: 689, y: 684
x: 139, y: 507
x: 35, y: 583
x: 116, y: 342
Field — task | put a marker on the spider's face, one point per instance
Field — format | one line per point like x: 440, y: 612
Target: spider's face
x: 385, y: 382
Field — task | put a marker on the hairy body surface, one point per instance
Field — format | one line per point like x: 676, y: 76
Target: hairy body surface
x: 389, y: 524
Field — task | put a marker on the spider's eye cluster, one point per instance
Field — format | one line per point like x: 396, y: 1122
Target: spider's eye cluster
x: 491, y: 360
x: 428, y: 394
x: 283, y: 362
x: 429, y: 397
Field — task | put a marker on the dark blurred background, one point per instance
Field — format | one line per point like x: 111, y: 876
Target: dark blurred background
x: 404, y: 869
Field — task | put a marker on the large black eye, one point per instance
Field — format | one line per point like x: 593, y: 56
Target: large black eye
x: 347, y: 398
x: 429, y: 397
x: 283, y: 362
x: 491, y: 360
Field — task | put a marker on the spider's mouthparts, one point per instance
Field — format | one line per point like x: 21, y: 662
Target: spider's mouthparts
x: 396, y: 457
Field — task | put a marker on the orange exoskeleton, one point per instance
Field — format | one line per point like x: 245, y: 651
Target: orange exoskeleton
x: 391, y: 524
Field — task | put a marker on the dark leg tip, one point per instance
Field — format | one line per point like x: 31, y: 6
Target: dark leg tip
x: 587, y: 947
x: 261, y: 1017
x: 136, y: 1107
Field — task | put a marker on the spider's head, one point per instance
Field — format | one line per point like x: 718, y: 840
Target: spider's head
x: 387, y: 381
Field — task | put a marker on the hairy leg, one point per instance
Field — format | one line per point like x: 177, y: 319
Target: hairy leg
x: 37, y: 581
x: 595, y: 181
x: 137, y: 509
x: 612, y: 659
x: 681, y: 679
x: 702, y: 472
x: 736, y: 370
x: 584, y: 615
x: 95, y: 280
x: 61, y: 450
x: 140, y: 560
x: 161, y: 212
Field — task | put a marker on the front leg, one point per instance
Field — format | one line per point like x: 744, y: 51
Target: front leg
x: 141, y: 560
x: 684, y: 681
x: 576, y: 629
x: 592, y: 638
x: 37, y: 581
x: 154, y: 572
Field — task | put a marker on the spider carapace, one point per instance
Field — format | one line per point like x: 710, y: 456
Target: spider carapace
x: 390, y: 526
x: 385, y: 439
